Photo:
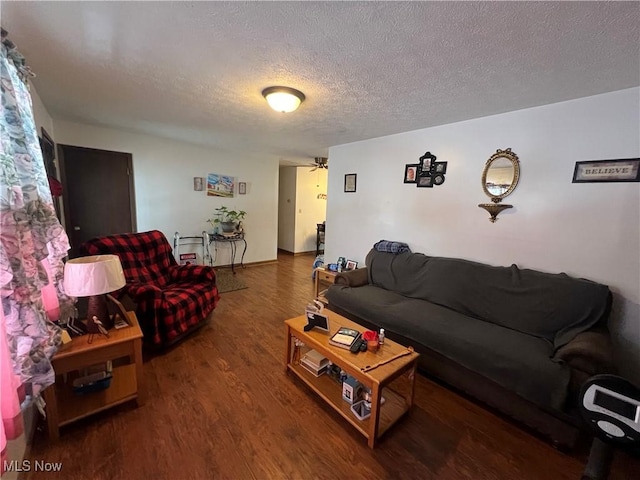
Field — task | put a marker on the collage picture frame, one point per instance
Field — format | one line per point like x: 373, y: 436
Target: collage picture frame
x: 427, y: 173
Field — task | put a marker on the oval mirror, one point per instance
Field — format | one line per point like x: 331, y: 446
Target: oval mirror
x: 500, y: 175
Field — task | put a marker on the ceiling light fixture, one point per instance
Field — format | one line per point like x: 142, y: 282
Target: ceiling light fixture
x: 283, y: 99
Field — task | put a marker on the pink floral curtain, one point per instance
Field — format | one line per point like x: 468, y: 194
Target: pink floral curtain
x: 11, y: 395
x: 33, y: 245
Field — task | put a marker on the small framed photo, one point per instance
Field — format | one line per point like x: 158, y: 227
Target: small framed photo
x: 342, y: 262
x: 623, y: 170
x: 411, y: 172
x: 242, y: 188
x: 438, y: 179
x: 351, y: 265
x: 316, y: 320
x: 198, y: 184
x: 350, y: 182
x: 426, y: 163
x: 440, y: 167
x: 425, y: 181
x: 120, y: 312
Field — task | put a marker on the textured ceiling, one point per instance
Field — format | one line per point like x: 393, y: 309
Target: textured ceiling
x: 194, y: 71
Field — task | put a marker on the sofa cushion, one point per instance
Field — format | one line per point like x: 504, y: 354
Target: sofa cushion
x: 555, y: 307
x: 517, y: 361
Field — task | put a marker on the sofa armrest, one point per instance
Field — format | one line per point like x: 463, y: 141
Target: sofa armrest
x: 191, y: 273
x: 138, y: 291
x: 353, y: 278
x: 589, y: 352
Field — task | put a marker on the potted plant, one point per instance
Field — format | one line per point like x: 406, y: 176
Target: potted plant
x: 227, y: 219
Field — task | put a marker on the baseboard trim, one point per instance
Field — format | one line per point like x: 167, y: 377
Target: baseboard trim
x: 237, y: 266
x: 296, y: 254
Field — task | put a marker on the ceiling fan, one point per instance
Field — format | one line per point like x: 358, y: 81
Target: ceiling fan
x: 320, y: 162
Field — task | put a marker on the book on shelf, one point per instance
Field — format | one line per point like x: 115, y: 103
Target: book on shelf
x: 315, y: 359
x: 344, y: 337
x: 315, y: 371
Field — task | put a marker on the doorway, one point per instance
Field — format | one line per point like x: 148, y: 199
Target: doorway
x: 98, y: 195
x: 302, y: 205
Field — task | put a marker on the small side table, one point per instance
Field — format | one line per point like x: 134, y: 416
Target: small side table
x: 325, y: 277
x: 232, y: 240
x: 63, y: 406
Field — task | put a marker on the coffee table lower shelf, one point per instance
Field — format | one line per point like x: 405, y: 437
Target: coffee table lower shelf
x: 331, y: 392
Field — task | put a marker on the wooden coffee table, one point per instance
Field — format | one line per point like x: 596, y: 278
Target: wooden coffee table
x: 381, y: 381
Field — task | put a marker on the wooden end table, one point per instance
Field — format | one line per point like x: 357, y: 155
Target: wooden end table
x: 378, y: 381
x: 323, y: 276
x: 63, y: 406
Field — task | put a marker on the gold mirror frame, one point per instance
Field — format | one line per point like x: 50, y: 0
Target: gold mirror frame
x: 496, y: 207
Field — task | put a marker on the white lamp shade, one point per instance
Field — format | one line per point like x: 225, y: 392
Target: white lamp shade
x: 93, y: 275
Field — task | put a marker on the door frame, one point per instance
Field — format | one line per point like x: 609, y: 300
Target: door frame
x: 65, y: 185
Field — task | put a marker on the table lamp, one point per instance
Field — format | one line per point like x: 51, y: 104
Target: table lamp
x: 94, y: 277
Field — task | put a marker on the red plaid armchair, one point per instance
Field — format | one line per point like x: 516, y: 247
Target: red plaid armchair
x: 171, y: 299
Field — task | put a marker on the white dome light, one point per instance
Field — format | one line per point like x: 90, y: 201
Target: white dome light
x: 283, y: 99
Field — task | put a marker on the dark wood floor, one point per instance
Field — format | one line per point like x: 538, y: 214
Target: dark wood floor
x: 220, y: 406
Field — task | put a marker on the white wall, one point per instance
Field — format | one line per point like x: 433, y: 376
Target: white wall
x: 163, y: 175
x: 41, y: 114
x: 310, y: 210
x: 43, y: 119
x: 287, y: 209
x: 588, y: 230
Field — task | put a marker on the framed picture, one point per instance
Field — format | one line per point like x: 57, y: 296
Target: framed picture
x: 351, y: 265
x: 219, y: 185
x: 242, y: 188
x: 425, y: 181
x: 426, y: 163
x: 411, y: 172
x: 438, y: 179
x: 342, y: 262
x: 623, y: 170
x: 120, y: 311
x: 198, y: 184
x: 440, y: 167
x: 350, y: 182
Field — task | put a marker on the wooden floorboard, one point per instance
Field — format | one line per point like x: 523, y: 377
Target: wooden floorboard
x: 219, y: 406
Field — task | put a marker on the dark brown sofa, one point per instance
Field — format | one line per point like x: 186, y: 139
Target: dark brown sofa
x: 519, y: 340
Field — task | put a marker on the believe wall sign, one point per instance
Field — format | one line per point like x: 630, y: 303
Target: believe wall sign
x: 623, y: 170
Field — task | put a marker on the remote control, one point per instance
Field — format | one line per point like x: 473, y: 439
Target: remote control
x: 357, y: 345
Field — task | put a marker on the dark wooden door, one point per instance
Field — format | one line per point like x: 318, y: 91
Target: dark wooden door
x: 98, y: 193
